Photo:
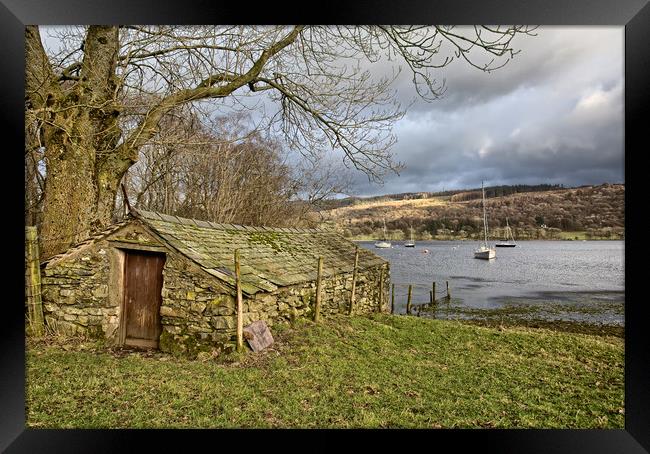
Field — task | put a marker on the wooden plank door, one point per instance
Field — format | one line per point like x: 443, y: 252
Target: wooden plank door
x: 142, y: 298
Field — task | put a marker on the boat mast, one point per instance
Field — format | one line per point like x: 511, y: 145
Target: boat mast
x: 484, y: 215
x: 509, y: 231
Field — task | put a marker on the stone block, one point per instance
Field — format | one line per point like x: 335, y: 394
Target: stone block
x: 266, y: 299
x: 167, y: 311
x: 199, y: 328
x: 250, y: 317
x: 222, y: 310
x: 172, y: 329
x: 224, y: 322
x: 197, y: 308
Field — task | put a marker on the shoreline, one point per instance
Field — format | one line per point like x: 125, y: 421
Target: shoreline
x: 559, y: 326
x: 566, y: 312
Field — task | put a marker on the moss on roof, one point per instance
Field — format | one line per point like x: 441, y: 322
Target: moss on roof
x: 270, y: 257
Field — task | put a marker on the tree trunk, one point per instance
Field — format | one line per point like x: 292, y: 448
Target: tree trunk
x: 81, y: 133
x: 70, y: 196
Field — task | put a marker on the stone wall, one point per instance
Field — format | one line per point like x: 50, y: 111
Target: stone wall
x: 82, y: 294
x: 199, y: 314
x: 75, y: 294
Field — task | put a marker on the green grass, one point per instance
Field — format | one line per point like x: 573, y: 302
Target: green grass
x: 377, y: 371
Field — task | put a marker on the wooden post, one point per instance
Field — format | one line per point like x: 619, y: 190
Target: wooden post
x: 240, y: 314
x: 34, y: 301
x: 354, y: 278
x: 392, y: 301
x: 430, y: 297
x: 408, y: 301
x: 318, y: 289
x: 381, y: 289
x: 448, y: 292
x: 433, y: 292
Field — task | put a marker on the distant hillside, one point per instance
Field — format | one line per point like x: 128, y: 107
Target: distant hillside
x: 533, y: 212
x: 454, y: 195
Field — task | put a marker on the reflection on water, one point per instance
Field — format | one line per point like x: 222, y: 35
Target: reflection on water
x: 564, y: 280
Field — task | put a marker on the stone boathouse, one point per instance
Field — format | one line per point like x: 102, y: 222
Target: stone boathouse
x: 167, y: 282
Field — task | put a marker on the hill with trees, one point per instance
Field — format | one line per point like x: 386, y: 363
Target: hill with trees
x: 533, y: 212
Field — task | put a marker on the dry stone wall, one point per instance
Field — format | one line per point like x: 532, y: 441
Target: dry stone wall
x: 198, y: 313
x: 75, y: 295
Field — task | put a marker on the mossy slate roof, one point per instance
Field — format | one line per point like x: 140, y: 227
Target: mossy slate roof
x: 269, y: 257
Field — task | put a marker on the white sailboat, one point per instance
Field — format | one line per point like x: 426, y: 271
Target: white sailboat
x: 510, y: 239
x: 383, y: 243
x: 485, y: 251
x: 410, y: 243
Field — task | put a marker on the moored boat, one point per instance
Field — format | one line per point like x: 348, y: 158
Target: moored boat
x: 510, y: 239
x: 485, y: 251
x: 410, y: 243
x: 383, y: 243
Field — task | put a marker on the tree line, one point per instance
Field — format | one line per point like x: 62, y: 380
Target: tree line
x: 596, y: 209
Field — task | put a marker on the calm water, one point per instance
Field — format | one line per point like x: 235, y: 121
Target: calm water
x: 569, y: 280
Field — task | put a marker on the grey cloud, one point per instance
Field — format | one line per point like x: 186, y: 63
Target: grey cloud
x: 553, y: 115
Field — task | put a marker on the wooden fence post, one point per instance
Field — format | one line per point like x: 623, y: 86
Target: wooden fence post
x: 430, y: 297
x: 240, y: 314
x: 34, y: 301
x: 433, y: 292
x: 408, y: 300
x: 448, y: 292
x: 354, y: 278
x: 318, y: 289
x: 381, y: 289
x: 392, y: 301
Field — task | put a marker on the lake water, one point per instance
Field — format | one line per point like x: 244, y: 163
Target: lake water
x: 564, y: 280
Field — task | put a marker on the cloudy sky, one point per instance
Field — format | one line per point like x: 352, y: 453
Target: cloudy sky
x: 553, y: 114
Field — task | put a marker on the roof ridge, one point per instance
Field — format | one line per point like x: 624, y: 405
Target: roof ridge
x: 154, y: 215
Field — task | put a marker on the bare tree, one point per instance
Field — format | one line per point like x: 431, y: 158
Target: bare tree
x: 320, y: 180
x: 79, y: 96
x: 217, y: 170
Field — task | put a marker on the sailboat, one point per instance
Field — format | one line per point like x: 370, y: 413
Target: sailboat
x: 485, y: 251
x: 507, y: 242
x: 410, y: 243
x: 383, y: 243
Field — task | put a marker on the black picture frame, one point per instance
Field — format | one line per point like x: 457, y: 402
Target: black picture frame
x: 634, y: 15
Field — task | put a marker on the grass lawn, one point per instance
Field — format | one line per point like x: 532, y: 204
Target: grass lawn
x: 346, y: 372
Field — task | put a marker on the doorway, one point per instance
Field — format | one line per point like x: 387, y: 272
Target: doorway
x: 142, y: 298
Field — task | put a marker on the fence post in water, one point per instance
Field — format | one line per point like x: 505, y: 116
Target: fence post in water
x: 392, y: 301
x: 431, y: 297
x: 408, y: 301
x: 319, y: 283
x: 354, y: 278
x: 433, y: 292
x: 240, y: 314
x: 34, y: 302
x: 448, y: 292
